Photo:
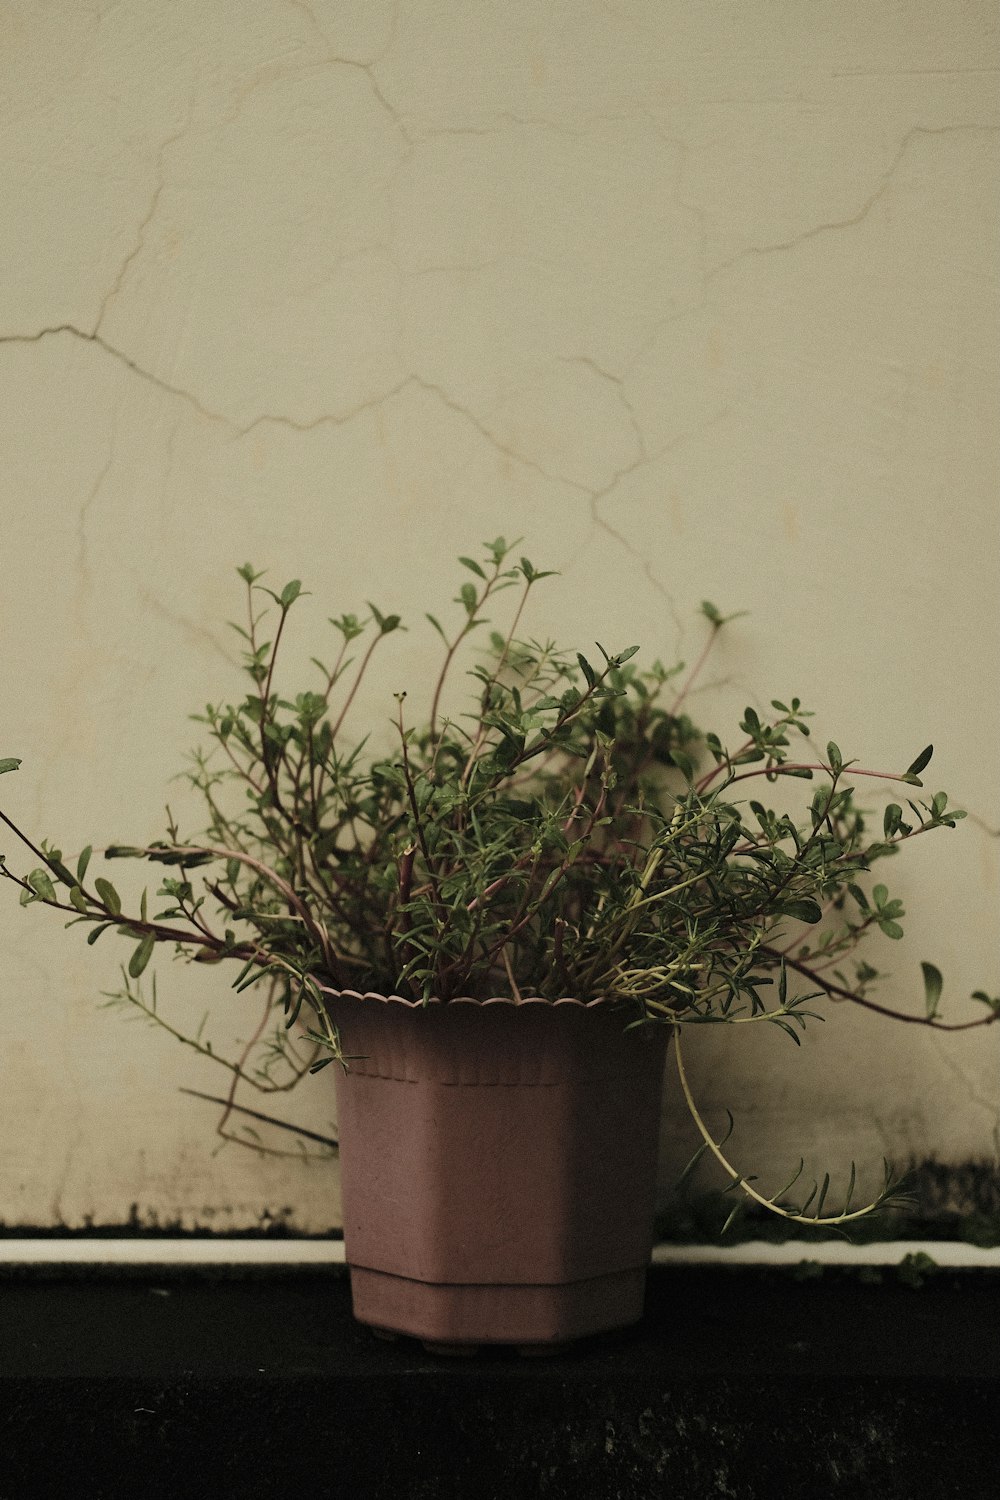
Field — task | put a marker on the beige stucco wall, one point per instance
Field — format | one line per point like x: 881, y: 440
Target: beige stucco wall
x: 701, y: 299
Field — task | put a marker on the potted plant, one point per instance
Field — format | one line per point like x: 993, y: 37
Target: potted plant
x: 494, y: 923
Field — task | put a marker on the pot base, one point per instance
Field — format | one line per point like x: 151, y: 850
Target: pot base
x: 505, y: 1314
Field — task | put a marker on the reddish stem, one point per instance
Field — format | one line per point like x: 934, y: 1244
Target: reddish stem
x: 838, y: 992
x: 693, y: 674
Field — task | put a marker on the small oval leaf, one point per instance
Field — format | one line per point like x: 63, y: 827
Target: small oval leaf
x: 140, y: 958
x: 933, y: 985
x: 42, y: 885
x: 109, y: 896
x: 921, y: 761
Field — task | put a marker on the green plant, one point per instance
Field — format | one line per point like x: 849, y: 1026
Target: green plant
x: 571, y: 833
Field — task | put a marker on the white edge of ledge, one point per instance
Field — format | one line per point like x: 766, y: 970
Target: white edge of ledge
x: 828, y: 1253
x: 243, y: 1252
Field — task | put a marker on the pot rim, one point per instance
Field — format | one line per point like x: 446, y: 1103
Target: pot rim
x: 602, y: 1001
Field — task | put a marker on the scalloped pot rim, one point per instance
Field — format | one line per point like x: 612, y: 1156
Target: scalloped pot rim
x: 528, y: 1000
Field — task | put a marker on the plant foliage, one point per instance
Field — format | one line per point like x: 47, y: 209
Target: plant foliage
x: 571, y: 832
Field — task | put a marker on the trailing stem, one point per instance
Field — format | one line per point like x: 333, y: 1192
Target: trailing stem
x: 815, y: 1220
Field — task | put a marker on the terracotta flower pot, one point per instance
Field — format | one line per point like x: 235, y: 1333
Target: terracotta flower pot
x: 498, y: 1166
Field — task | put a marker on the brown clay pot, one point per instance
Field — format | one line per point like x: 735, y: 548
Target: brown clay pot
x: 498, y: 1166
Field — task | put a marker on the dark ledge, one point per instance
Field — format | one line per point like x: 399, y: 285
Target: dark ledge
x: 742, y: 1384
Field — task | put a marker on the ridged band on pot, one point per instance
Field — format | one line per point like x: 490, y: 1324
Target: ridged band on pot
x: 498, y: 1164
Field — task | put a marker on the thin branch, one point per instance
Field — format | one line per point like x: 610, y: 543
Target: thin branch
x: 695, y: 670
x: 738, y: 1178
x: 256, y: 1114
x: 838, y: 992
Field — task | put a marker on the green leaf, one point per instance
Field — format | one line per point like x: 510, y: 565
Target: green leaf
x: 385, y: 623
x: 834, y: 757
x: 59, y: 869
x: 532, y: 574
x: 469, y: 598
x: 93, y: 936
x: 473, y: 567
x: 82, y: 863
x: 891, y: 819
x: 890, y: 928
x: 710, y: 612
x: 850, y: 1190
x: 140, y: 958
x: 10, y: 764
x: 691, y: 1167
x: 109, y: 896
x: 933, y: 984
x: 78, y: 899
x: 804, y: 910
x: 587, y: 670
x: 289, y: 594
x: 822, y: 1195
x: 42, y: 885
x: 921, y: 761
x: 684, y: 764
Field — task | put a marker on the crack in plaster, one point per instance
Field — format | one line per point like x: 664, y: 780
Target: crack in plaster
x: 528, y: 122
x: 484, y: 431
x: 330, y: 59
x: 908, y: 72
x: 473, y: 268
x: 94, y: 337
x: 618, y: 383
x: 649, y: 458
x: 851, y: 222
x: 988, y: 1104
x: 181, y: 393
x: 595, y: 496
x: 148, y: 217
x: 325, y: 419
x: 333, y: 60
x: 815, y: 231
x: 647, y: 567
x: 194, y: 631
x: 279, y: 419
x: 282, y: 420
x: 309, y: 13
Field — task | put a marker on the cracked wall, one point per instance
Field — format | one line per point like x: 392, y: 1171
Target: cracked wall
x: 702, y: 301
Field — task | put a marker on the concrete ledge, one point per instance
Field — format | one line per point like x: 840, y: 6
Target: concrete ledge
x: 745, y: 1382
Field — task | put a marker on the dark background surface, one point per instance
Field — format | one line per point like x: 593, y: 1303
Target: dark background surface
x: 747, y: 1384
